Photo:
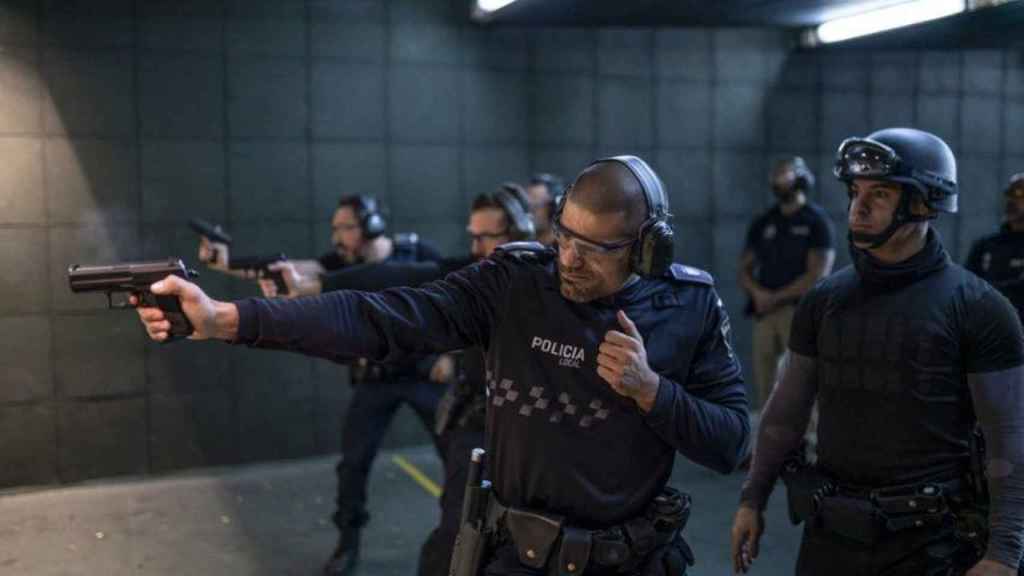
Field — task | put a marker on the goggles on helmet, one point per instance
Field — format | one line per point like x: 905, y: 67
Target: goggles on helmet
x: 866, y: 158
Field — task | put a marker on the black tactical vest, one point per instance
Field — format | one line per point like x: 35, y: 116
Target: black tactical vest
x: 892, y: 391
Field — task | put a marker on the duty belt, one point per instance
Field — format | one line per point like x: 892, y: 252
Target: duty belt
x: 866, y: 514
x: 619, y: 548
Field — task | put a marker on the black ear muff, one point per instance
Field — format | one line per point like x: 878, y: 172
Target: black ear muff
x: 804, y: 178
x: 655, y: 245
x: 513, y: 201
x: 371, y: 221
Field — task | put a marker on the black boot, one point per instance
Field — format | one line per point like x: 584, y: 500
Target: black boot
x: 346, y: 555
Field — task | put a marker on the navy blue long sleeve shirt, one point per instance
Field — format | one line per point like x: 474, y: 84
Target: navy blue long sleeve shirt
x: 559, y: 438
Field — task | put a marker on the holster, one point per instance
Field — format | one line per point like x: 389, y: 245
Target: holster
x: 471, y: 541
x: 852, y: 518
x: 468, y: 552
x: 805, y: 487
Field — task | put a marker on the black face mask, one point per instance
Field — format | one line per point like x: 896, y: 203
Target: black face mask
x: 1012, y: 215
x: 886, y: 276
x: 784, y: 195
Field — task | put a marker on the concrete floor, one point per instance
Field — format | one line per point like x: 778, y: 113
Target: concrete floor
x: 274, y: 520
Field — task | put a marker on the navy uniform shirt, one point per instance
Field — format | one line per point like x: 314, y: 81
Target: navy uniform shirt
x: 560, y: 439
x: 999, y: 260
x: 407, y: 250
x: 781, y: 243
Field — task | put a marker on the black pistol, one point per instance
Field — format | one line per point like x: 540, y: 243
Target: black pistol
x: 135, y: 278
x: 261, y: 265
x: 212, y: 231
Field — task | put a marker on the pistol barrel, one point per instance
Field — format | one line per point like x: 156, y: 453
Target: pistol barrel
x: 124, y: 277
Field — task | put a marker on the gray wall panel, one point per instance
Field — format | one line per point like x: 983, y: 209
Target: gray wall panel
x: 89, y: 94
x: 682, y: 114
x: 348, y: 101
x: 267, y: 98
x: 28, y: 447
x: 624, y: 113
x: 939, y: 72
x: 182, y: 179
x: 551, y: 120
x: 269, y: 180
x: 22, y: 196
x: 21, y: 98
x: 25, y: 366
x: 683, y: 53
x: 23, y: 254
x: 181, y: 97
x: 101, y: 439
x: 424, y: 104
x: 100, y: 354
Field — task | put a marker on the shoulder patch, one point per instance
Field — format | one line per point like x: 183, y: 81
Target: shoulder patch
x: 526, y: 251
x: 689, y: 274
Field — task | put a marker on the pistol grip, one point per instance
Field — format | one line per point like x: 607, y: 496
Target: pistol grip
x: 278, y: 278
x: 181, y: 326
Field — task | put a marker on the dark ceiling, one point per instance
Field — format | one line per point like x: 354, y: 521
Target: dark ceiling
x: 994, y: 27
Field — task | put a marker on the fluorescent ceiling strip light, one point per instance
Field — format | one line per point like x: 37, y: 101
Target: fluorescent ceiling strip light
x: 492, y: 5
x: 898, y: 16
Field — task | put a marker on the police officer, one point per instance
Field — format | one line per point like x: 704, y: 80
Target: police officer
x: 544, y: 190
x: 358, y: 231
x: 905, y: 351
x: 604, y: 359
x: 999, y: 258
x: 788, y: 249
x: 494, y: 219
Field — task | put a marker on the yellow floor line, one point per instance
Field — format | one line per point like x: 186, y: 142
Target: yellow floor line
x: 417, y: 475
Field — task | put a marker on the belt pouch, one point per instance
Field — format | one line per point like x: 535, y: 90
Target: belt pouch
x: 534, y: 535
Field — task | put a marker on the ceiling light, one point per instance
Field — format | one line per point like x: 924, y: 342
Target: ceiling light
x: 900, y: 15
x: 492, y: 5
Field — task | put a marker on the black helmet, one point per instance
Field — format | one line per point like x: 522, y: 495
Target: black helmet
x: 1015, y: 189
x: 919, y: 160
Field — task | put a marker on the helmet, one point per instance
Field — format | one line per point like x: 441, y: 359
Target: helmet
x: 1015, y: 189
x: 919, y: 161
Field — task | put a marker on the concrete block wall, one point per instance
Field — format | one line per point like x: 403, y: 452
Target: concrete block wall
x: 120, y: 120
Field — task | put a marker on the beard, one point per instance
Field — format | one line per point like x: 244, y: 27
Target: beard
x: 784, y: 195
x: 578, y: 286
